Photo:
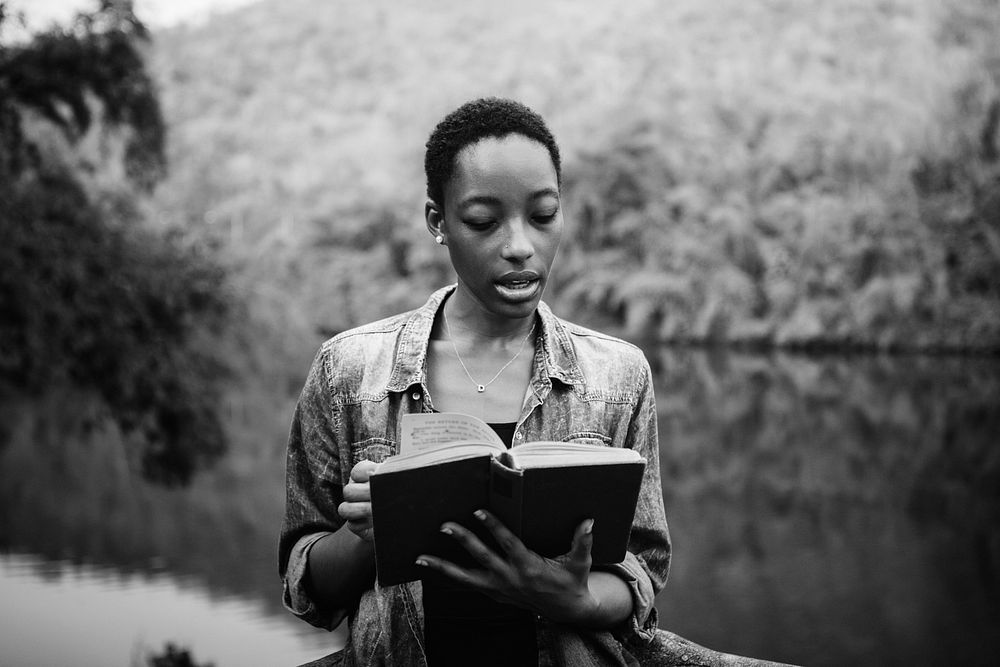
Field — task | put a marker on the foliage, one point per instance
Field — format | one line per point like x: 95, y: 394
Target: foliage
x: 819, y: 224
x: 97, y: 57
x: 88, y: 294
x: 752, y: 173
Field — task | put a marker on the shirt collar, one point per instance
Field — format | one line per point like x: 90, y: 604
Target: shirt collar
x: 411, y: 352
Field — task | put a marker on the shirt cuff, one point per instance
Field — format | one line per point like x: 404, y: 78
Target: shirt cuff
x: 295, y: 595
x: 641, y: 626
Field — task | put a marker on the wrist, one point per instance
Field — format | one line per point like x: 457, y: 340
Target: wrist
x: 587, y: 610
x: 583, y: 611
x: 592, y: 613
x: 612, y: 600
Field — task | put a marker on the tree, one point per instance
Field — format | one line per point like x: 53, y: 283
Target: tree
x: 88, y: 294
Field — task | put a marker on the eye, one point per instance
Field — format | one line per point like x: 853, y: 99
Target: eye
x: 545, y: 217
x: 479, y: 223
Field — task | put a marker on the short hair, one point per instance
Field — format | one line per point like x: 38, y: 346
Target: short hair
x: 474, y: 121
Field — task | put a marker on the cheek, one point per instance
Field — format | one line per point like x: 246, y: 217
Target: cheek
x: 552, y: 241
x: 468, y: 258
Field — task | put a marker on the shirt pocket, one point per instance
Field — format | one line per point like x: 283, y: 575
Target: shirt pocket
x: 372, y: 449
x: 588, y: 438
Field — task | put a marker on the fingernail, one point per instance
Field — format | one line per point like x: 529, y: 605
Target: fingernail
x: 481, y: 515
x: 446, y: 530
x: 421, y: 562
x: 589, y: 528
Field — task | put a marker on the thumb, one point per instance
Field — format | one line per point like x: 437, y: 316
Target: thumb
x: 578, y: 557
x: 362, y: 471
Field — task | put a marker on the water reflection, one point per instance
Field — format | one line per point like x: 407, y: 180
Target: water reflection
x: 76, y: 615
x: 77, y: 527
x: 825, y: 511
x: 833, y: 510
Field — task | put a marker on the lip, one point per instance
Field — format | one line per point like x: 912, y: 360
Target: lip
x: 529, y: 290
x: 517, y: 276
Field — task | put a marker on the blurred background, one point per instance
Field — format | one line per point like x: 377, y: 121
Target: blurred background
x: 792, y: 205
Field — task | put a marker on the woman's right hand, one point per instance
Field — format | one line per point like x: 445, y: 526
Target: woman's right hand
x: 342, y: 563
x: 356, y: 509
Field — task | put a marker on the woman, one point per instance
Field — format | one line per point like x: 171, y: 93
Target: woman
x: 490, y: 347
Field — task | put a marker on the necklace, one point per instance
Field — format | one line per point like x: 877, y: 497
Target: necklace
x: 480, y: 387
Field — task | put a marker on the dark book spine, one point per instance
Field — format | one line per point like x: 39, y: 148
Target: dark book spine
x: 506, y: 495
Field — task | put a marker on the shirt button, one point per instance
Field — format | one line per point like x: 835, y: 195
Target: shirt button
x: 415, y: 395
x: 518, y: 436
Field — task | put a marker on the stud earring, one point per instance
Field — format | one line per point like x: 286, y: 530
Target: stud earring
x: 439, y: 239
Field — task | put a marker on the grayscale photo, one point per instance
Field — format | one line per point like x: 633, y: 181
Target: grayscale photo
x: 453, y: 332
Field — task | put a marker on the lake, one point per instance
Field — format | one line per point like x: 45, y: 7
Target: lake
x: 824, y: 511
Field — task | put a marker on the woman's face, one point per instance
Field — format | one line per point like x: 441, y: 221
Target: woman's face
x: 502, y: 223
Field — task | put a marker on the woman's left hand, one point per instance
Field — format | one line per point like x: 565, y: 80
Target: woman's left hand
x: 556, y: 588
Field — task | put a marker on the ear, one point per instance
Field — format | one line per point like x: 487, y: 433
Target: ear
x: 434, y: 217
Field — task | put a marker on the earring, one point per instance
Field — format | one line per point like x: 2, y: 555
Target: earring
x: 439, y: 239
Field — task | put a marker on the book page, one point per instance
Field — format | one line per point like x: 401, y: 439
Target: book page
x: 445, y: 453
x: 546, y: 454
x: 429, y: 430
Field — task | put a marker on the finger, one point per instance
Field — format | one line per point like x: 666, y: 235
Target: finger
x: 507, y: 541
x: 471, y: 543
x: 358, y: 493
x: 362, y: 471
x: 355, y: 511
x: 472, y: 578
x: 363, y: 530
x: 578, y: 556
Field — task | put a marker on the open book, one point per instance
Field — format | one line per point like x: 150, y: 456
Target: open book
x: 451, y: 464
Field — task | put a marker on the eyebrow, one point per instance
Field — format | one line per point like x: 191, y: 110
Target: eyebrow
x: 493, y: 201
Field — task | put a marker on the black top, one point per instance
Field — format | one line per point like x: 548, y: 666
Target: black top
x: 464, y: 627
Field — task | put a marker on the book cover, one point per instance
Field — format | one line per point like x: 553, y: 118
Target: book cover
x: 541, y: 491
x: 409, y: 506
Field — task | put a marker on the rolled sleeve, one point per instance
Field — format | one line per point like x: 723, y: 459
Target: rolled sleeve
x: 313, y: 492
x: 642, y: 623
x: 295, y: 595
x: 647, y: 561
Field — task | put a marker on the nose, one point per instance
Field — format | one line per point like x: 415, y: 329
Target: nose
x: 518, y: 246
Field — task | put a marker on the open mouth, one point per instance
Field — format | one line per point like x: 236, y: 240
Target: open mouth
x: 517, y: 288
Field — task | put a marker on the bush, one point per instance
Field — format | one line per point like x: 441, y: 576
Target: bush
x: 87, y: 295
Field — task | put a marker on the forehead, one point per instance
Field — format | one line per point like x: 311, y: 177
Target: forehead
x: 513, y: 161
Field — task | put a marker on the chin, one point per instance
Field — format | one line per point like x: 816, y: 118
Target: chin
x: 518, y: 310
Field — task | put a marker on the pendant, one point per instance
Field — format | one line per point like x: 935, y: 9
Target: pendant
x: 480, y: 388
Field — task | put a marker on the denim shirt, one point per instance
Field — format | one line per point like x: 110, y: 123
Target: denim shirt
x: 585, y: 387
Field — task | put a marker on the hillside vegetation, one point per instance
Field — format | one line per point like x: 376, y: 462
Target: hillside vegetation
x: 770, y: 173
x: 89, y: 295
